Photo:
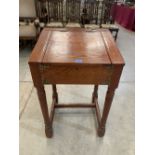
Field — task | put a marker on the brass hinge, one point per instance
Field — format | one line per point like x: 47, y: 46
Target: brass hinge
x: 45, y: 81
x: 106, y: 82
x: 43, y: 67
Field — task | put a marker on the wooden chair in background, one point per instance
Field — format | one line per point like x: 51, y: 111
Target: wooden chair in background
x: 106, y: 20
x: 42, y: 12
x: 55, y: 16
x: 71, y: 13
x: 28, y: 30
x: 90, y: 14
x: 28, y: 24
x: 73, y: 16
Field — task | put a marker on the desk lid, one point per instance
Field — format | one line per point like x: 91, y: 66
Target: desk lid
x: 76, y: 45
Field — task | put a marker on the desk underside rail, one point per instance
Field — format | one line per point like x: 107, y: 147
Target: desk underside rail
x: 95, y: 105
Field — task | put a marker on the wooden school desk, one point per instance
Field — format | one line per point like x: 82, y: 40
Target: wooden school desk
x: 75, y: 56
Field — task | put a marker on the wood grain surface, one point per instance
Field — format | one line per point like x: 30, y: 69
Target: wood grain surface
x: 76, y: 45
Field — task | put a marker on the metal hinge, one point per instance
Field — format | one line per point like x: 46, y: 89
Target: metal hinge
x: 45, y: 81
x: 43, y: 67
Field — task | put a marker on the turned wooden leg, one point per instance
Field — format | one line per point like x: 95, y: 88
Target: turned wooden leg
x: 55, y: 94
x: 44, y: 109
x: 106, y: 108
x: 95, y: 93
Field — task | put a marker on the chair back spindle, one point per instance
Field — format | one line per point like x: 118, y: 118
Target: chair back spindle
x: 55, y: 10
x: 90, y: 11
x: 73, y: 10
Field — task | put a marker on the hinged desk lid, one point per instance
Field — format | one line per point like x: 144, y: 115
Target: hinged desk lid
x: 76, y: 45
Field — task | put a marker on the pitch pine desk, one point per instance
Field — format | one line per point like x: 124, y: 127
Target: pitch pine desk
x: 75, y: 56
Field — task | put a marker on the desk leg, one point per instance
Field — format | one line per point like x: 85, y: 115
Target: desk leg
x: 55, y: 94
x: 106, y: 109
x: 44, y: 109
x: 95, y: 93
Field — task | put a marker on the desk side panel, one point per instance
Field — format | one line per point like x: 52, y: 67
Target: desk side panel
x: 40, y: 47
x: 112, y: 49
